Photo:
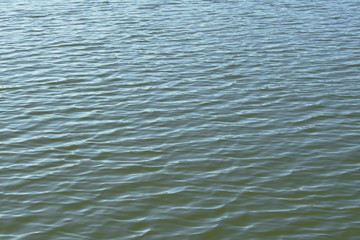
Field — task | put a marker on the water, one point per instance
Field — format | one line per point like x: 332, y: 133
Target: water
x: 170, y: 119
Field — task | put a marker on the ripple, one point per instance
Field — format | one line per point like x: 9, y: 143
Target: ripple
x: 179, y: 119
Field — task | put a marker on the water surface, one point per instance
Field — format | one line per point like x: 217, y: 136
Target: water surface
x: 169, y: 119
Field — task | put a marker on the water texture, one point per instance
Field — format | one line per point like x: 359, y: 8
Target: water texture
x: 179, y: 119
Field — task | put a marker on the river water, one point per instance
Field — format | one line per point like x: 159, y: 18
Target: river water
x: 179, y: 119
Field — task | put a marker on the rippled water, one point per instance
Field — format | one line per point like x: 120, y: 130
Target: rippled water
x: 179, y: 119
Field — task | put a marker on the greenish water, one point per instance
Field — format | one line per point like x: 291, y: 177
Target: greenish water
x: 192, y: 119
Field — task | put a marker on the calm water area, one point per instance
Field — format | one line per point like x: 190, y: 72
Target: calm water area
x: 179, y: 120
